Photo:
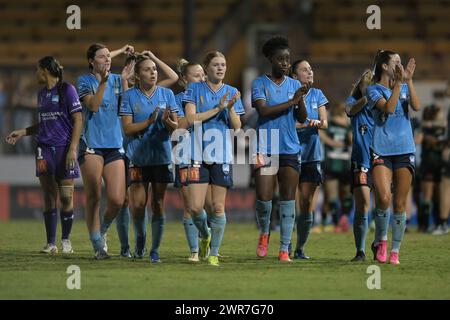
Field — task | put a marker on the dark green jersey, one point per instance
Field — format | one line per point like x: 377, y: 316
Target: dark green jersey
x: 337, y: 159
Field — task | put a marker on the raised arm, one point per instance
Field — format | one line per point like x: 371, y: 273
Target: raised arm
x: 408, y: 75
x: 172, y: 76
x: 390, y: 105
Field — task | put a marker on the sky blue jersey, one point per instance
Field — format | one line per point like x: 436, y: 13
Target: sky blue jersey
x: 152, y: 146
x: 211, y: 140
x: 283, y: 124
x: 102, y: 128
x: 309, y: 136
x: 362, y: 129
x: 392, y: 132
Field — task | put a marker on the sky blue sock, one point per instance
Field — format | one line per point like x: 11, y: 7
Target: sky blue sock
x: 106, y: 223
x: 123, y: 225
x: 191, y: 234
x: 217, y: 230
x: 158, y: 223
x: 304, y: 224
x: 201, y: 223
x: 398, y: 230
x: 360, y: 226
x: 263, y: 212
x: 287, y: 218
x: 140, y: 232
x: 96, y: 240
x: 66, y: 223
x: 381, y: 224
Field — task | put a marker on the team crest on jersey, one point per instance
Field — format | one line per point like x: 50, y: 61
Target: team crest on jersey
x: 162, y: 105
x: 137, y: 107
x: 412, y: 159
x: 290, y: 95
x: 255, y: 91
x: 314, y: 104
x: 55, y: 99
x: 226, y: 168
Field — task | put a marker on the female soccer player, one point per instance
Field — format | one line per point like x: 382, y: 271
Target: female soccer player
x: 101, y: 153
x: 433, y: 142
x: 392, y: 147
x: 189, y: 73
x: 168, y: 78
x: 362, y: 128
x: 148, y: 116
x: 213, y: 107
x: 275, y: 96
x: 308, y: 135
x: 337, y: 141
x: 57, y: 136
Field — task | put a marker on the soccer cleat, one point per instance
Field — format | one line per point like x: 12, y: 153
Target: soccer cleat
x: 374, y: 250
x: 213, y: 261
x: 139, y: 254
x: 263, y: 245
x: 283, y: 256
x: 105, y: 244
x: 66, y: 246
x: 125, y: 253
x: 317, y: 229
x: 360, y: 256
x: 154, y: 257
x: 204, y: 247
x: 338, y: 229
x: 393, y: 258
x: 194, y: 257
x: 50, y: 248
x: 299, y: 254
x: 440, y: 230
x: 344, y: 224
x: 101, y: 255
x: 382, y: 251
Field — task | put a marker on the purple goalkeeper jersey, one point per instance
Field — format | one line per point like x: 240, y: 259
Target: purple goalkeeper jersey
x: 55, y: 118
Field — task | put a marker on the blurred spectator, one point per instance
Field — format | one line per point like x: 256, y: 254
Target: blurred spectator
x: 24, y: 103
x: 3, y: 103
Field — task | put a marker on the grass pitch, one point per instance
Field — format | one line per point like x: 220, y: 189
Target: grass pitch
x: 424, y: 272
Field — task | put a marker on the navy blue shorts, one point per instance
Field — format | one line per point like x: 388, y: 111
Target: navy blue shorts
x: 395, y: 162
x: 216, y: 174
x: 285, y: 160
x: 147, y: 174
x: 180, y: 176
x: 311, y: 172
x: 361, y: 176
x: 108, y: 154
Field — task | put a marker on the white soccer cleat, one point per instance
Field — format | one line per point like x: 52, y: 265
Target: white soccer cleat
x: 50, y: 248
x: 66, y: 246
x: 194, y: 257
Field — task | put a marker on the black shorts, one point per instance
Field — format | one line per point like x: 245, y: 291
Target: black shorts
x: 343, y: 177
x: 311, y: 172
x: 285, y: 160
x: 445, y: 170
x: 216, y: 174
x: 395, y: 162
x: 108, y: 154
x: 180, y: 176
x: 147, y: 174
x: 361, y: 176
x: 432, y: 173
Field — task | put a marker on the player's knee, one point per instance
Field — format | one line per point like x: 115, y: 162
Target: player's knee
x: 66, y: 197
x: 384, y: 200
x: 158, y: 206
x: 196, y: 209
x: 115, y: 204
x: 219, y: 208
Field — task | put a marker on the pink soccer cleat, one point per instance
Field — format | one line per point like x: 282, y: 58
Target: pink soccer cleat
x: 283, y: 256
x: 382, y: 251
x: 263, y: 245
x: 393, y: 258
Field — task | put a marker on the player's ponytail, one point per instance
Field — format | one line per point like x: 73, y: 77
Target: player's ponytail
x: 182, y: 68
x: 382, y: 57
